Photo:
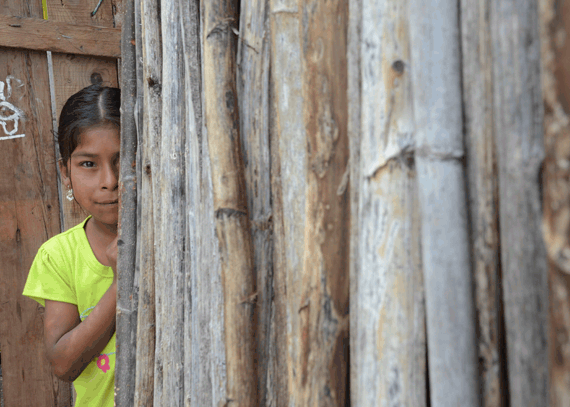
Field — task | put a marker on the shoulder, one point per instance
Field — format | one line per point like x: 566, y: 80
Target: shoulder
x: 65, y: 244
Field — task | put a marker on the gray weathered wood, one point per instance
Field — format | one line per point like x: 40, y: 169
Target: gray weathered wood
x: 388, y: 359
x: 127, y: 292
x: 172, y: 268
x: 436, y: 79
x: 253, y: 101
x: 481, y: 166
x: 518, y: 109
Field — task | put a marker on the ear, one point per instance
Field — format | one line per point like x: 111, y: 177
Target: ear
x: 63, y: 170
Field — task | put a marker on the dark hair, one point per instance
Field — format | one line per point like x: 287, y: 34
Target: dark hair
x: 93, y: 106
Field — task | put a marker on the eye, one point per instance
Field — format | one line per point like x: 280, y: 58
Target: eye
x: 87, y: 164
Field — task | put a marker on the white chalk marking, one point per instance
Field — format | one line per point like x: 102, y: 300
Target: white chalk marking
x: 9, y: 112
x: 11, y: 137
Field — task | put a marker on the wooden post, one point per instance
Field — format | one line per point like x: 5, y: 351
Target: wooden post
x: 555, y: 21
x: 481, y: 162
x: 309, y: 83
x: 230, y: 204
x: 127, y: 293
x: 253, y: 101
x: 518, y: 121
x: 436, y: 78
x: 388, y: 357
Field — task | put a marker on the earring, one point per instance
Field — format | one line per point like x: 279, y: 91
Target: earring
x: 69, y: 195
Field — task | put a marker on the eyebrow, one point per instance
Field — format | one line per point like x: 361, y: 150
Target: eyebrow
x: 84, y: 155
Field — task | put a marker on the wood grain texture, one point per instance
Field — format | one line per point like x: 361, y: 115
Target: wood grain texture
x: 555, y: 54
x: 309, y: 74
x: 436, y: 79
x: 42, y: 35
x: 29, y: 215
x: 482, y: 178
x: 253, y: 100
x: 171, y: 265
x: 519, y: 112
x: 147, y: 334
x: 230, y: 203
x: 127, y: 278
x: 388, y: 357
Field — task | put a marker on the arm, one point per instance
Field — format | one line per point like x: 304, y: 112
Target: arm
x: 72, y: 344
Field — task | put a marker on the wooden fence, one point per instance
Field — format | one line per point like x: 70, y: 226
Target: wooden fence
x: 323, y: 203
x: 406, y: 160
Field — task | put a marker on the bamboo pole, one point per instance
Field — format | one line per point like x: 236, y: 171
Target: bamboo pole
x: 387, y: 303
x: 519, y: 128
x: 127, y: 295
x: 481, y: 165
x: 253, y: 100
x: 230, y: 205
x: 554, y: 20
x: 436, y: 70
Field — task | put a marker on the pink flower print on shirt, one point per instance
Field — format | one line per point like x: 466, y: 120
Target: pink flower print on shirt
x: 103, y: 363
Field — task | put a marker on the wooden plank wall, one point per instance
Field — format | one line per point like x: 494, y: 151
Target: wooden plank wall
x: 29, y: 215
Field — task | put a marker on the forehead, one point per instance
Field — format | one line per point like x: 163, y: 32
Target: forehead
x: 99, y: 140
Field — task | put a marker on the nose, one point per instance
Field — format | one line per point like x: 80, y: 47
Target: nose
x: 110, y: 177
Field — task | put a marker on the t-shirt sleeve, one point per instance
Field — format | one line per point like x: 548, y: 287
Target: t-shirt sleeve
x: 49, y: 279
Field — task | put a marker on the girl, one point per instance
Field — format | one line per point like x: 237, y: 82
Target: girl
x: 73, y: 274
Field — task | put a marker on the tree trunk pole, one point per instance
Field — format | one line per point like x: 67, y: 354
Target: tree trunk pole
x: 436, y: 78
x: 230, y: 202
x: 127, y: 295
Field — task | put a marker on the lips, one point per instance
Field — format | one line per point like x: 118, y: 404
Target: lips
x: 109, y: 202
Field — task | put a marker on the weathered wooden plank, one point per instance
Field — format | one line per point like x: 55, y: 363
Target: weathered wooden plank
x: 152, y: 111
x: 554, y: 23
x: 29, y: 215
x: 436, y: 79
x: 481, y: 166
x: 80, y: 12
x: 172, y: 267
x: 42, y: 35
x: 127, y: 291
x: 230, y: 202
x: 387, y: 303
x: 253, y: 99
x: 518, y: 121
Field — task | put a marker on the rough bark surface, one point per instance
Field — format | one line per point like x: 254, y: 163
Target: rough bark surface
x: 230, y: 202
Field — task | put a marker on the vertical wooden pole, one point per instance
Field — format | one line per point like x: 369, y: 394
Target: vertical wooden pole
x: 519, y: 136
x: 127, y: 293
x: 481, y: 161
x: 309, y: 77
x: 230, y: 204
x: 253, y: 100
x: 388, y: 357
x: 196, y: 335
x: 436, y: 78
x: 555, y: 54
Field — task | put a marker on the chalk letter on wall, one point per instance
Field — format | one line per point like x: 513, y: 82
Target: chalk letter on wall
x: 9, y: 114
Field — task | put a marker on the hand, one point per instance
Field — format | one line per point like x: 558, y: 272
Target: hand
x: 112, y: 251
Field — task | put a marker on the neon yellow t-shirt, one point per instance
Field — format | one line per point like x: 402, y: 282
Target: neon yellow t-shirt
x: 66, y: 270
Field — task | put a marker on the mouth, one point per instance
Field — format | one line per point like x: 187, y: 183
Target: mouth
x: 108, y: 203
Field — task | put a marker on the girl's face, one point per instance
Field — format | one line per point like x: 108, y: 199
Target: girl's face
x: 93, y: 173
